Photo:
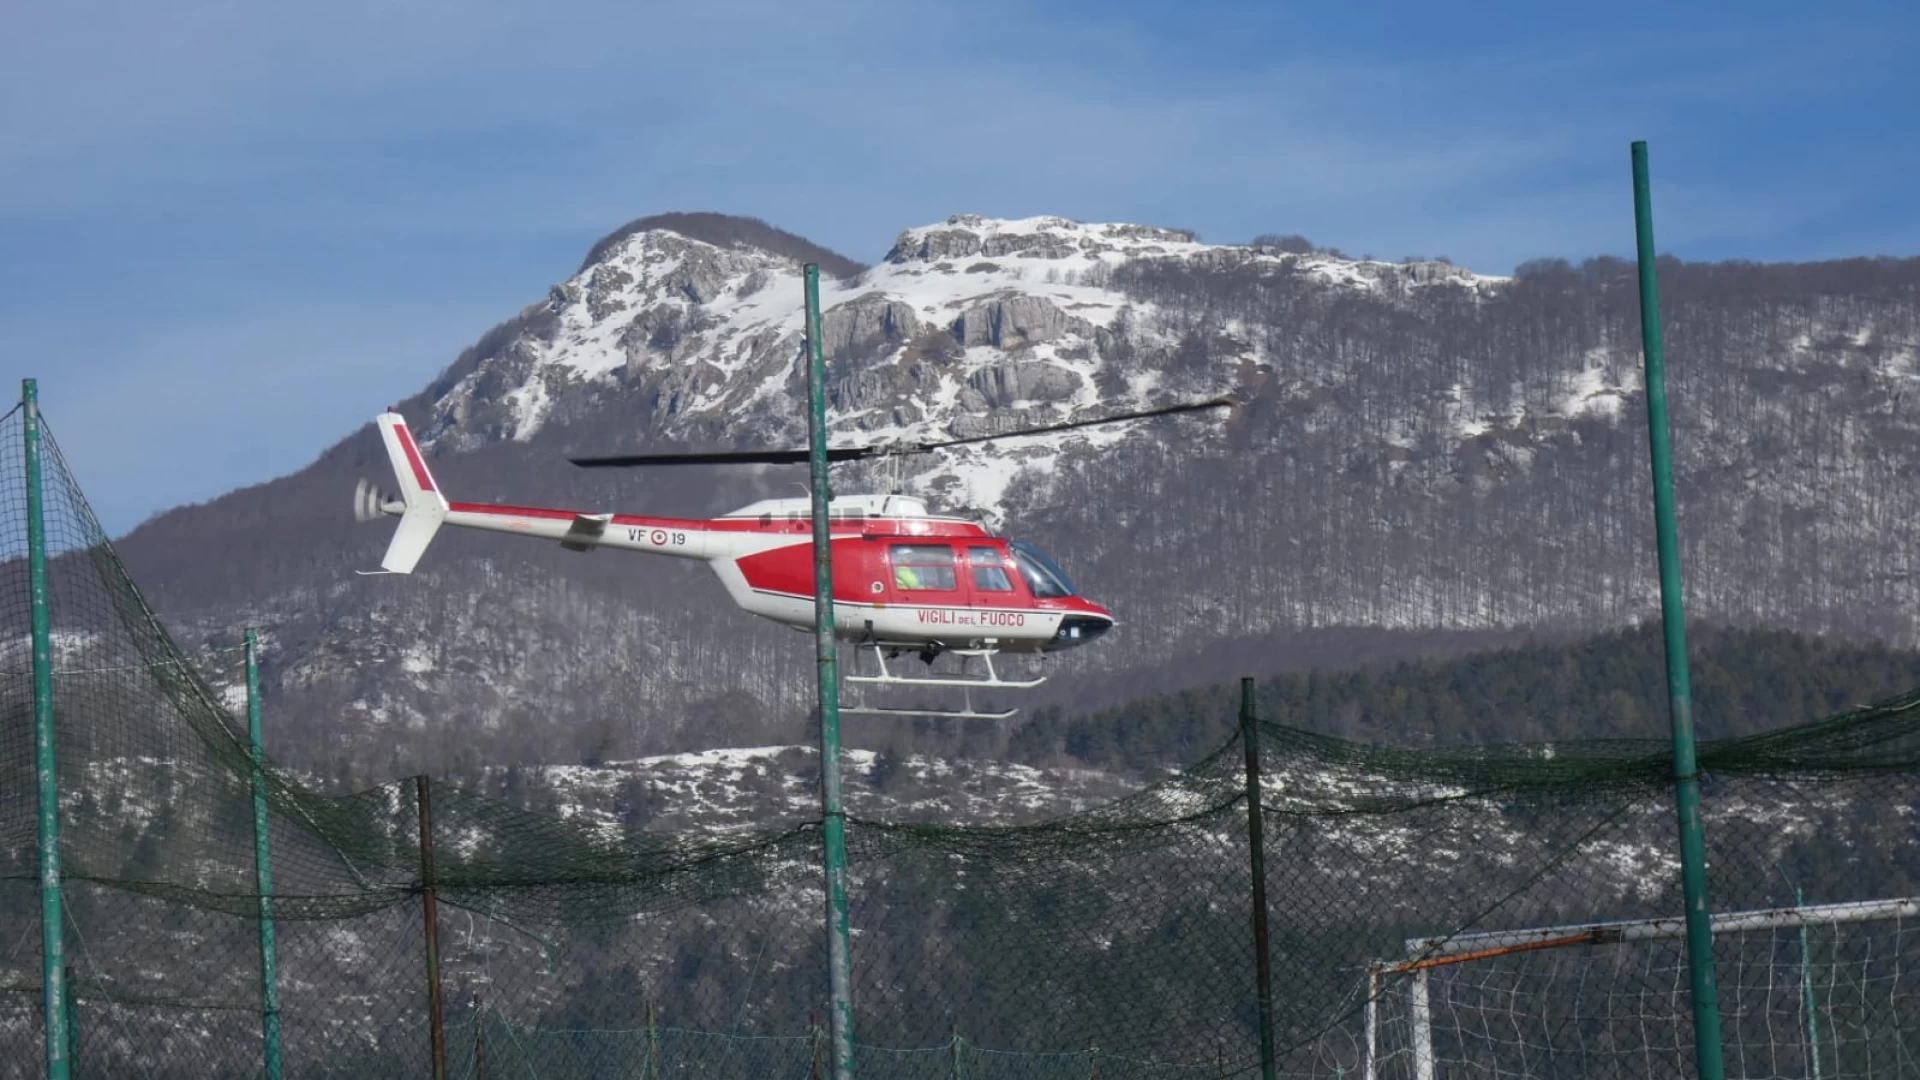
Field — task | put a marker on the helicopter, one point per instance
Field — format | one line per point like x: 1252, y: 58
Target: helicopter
x: 905, y: 580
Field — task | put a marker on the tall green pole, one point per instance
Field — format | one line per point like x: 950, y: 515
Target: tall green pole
x: 263, y: 870
x: 53, y: 965
x: 1806, y: 988
x: 1693, y: 847
x: 1257, y: 843
x: 834, y: 819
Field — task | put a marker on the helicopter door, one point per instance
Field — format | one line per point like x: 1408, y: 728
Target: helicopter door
x: 924, y: 574
x: 990, y: 582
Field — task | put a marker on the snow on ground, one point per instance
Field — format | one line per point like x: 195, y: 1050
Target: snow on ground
x: 745, y: 788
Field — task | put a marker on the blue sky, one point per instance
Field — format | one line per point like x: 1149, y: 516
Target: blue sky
x: 232, y: 232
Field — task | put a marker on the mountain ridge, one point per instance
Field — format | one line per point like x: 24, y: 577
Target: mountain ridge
x: 727, y: 230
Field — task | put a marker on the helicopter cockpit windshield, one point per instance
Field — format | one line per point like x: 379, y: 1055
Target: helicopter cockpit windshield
x: 1043, y: 575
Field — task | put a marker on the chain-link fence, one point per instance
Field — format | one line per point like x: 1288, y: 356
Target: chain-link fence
x: 1497, y: 911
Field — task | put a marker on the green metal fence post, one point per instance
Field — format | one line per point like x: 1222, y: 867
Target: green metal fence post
x: 1806, y: 989
x: 263, y: 870
x: 53, y: 966
x: 1686, y: 773
x: 833, y: 818
x: 1257, y: 848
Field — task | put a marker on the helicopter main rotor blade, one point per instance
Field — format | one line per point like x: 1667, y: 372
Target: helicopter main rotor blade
x: 855, y: 453
x: 1164, y: 410
x: 724, y: 457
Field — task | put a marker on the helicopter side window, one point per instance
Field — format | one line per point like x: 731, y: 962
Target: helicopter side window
x: 923, y: 566
x: 1043, y: 576
x: 989, y: 570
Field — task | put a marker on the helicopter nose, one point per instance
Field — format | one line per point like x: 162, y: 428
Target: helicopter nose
x: 1079, y: 629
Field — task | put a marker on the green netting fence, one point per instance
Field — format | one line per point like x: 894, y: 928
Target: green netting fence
x: 1502, y: 911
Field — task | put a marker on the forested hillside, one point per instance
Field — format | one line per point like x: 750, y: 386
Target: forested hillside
x: 1609, y: 686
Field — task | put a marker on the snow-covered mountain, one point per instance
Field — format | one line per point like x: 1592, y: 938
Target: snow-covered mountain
x: 970, y: 327
x: 1421, y: 449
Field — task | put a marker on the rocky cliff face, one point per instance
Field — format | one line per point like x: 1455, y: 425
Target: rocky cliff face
x: 1422, y: 449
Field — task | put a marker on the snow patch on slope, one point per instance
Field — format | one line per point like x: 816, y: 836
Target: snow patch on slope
x: 747, y: 788
x: 1592, y: 395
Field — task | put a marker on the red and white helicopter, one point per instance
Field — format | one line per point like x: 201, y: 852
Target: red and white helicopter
x: 904, y: 580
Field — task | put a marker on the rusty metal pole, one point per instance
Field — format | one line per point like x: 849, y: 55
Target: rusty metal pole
x: 423, y: 791
x: 653, y: 1043
x: 813, y: 1025
x: 1257, y: 846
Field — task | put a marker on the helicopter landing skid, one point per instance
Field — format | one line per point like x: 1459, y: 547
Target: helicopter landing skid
x: 992, y: 680
x: 945, y: 714
x: 888, y: 678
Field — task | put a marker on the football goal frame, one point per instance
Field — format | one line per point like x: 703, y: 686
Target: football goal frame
x: 1424, y: 954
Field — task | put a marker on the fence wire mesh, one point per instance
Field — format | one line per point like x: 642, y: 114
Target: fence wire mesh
x: 1114, y: 942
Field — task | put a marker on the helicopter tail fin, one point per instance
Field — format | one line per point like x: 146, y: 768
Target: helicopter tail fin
x: 422, y: 507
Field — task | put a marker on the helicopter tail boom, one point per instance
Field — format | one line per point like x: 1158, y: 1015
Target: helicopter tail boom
x: 423, y: 509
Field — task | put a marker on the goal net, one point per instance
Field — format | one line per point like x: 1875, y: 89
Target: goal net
x: 1821, y: 992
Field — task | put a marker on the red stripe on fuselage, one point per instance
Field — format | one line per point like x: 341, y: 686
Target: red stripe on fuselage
x: 420, y: 474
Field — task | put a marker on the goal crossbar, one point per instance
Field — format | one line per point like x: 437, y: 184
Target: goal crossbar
x: 1456, y: 948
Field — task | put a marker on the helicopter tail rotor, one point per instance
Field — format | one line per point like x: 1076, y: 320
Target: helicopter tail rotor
x: 371, y: 503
